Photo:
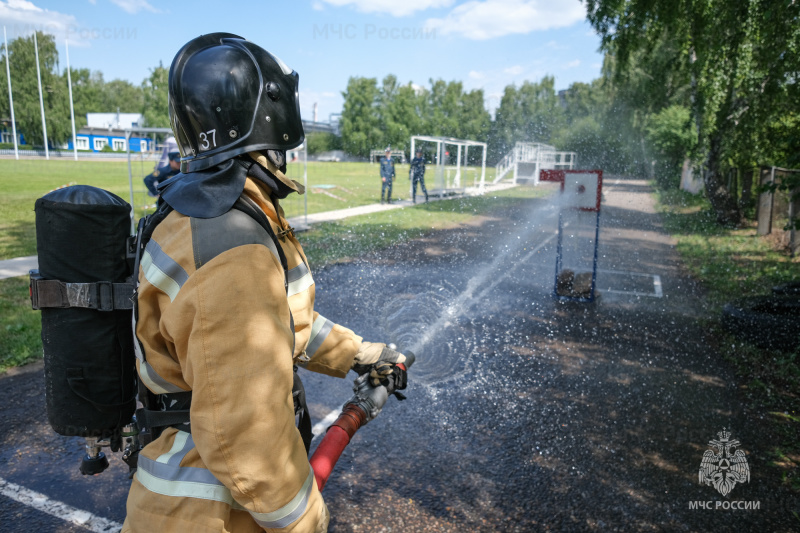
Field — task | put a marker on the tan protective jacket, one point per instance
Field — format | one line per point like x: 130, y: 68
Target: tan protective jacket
x: 214, y: 318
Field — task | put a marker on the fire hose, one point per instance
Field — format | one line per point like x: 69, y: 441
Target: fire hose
x: 364, y: 406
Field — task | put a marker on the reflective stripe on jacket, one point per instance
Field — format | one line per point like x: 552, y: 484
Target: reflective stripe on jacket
x: 214, y: 318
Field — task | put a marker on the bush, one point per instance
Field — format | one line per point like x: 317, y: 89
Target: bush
x: 319, y: 142
x: 670, y: 133
x: 10, y: 146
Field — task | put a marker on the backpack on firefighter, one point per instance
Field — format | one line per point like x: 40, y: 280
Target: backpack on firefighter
x: 85, y: 288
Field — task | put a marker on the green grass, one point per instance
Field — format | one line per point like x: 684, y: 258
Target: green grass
x: 356, y: 184
x: 352, y: 237
x: 732, y: 263
x: 20, y: 326
x: 23, y: 181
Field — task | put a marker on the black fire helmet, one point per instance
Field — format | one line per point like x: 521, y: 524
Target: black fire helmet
x: 229, y: 96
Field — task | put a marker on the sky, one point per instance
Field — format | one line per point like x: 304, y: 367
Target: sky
x: 486, y: 44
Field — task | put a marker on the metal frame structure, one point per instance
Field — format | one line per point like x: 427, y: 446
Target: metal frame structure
x: 579, y: 202
x: 302, y: 152
x: 441, y: 143
x: 542, y: 156
x: 375, y: 155
x: 128, y: 133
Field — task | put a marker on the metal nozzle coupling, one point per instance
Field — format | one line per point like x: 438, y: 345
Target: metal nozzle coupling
x: 94, y: 461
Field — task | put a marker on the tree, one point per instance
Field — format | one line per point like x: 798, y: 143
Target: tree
x: 530, y: 113
x: 474, y: 120
x: 26, y: 92
x: 582, y: 100
x: 92, y: 94
x: 375, y: 117
x: 443, y: 115
x: 742, y: 62
x: 87, y: 93
x: 597, y: 127
x: 121, y: 95
x: 318, y: 142
x: 360, y: 122
x: 670, y: 134
x: 155, y: 107
x: 395, y: 108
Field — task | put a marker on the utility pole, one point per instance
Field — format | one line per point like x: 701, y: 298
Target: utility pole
x: 71, y: 107
x: 41, y: 99
x: 10, y: 98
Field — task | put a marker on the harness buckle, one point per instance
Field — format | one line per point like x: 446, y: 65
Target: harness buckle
x: 33, y: 288
x: 105, y: 295
x: 283, y: 233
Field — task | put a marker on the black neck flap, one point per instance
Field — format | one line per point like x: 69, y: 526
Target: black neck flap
x: 279, y: 189
x: 206, y: 193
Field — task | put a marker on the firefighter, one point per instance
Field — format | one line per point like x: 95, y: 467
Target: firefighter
x: 169, y: 169
x: 417, y: 175
x: 387, y: 175
x: 226, y: 311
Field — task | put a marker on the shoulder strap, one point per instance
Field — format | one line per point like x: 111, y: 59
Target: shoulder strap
x: 150, y: 415
x: 302, y: 416
x: 249, y: 207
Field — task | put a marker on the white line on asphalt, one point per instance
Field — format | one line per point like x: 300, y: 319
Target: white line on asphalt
x: 630, y: 293
x: 657, y: 290
x: 61, y: 510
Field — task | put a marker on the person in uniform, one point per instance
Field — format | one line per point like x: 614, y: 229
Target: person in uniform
x: 417, y: 175
x: 225, y: 308
x: 172, y: 167
x: 387, y: 175
x: 170, y: 146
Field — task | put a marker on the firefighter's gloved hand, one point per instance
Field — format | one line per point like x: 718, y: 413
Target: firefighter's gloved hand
x: 370, y: 398
x: 380, y: 362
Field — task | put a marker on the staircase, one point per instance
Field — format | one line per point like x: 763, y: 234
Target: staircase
x: 542, y: 155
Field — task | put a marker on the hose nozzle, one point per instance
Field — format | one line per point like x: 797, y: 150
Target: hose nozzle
x: 410, y: 358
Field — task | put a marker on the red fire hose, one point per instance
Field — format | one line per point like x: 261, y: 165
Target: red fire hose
x: 338, y: 437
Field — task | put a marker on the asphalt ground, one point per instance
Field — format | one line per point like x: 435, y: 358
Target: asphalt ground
x: 523, y: 414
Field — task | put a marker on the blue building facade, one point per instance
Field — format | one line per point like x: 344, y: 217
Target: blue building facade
x: 95, y: 139
x: 102, y: 129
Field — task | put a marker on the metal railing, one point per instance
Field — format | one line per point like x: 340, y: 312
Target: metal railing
x: 543, y: 155
x: 57, y: 154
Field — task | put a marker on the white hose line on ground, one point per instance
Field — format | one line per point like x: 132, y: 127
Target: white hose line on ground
x: 61, y: 510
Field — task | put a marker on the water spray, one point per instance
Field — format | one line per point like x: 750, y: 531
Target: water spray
x: 417, y: 323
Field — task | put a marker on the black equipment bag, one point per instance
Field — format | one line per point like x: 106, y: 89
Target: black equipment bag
x: 84, y: 290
